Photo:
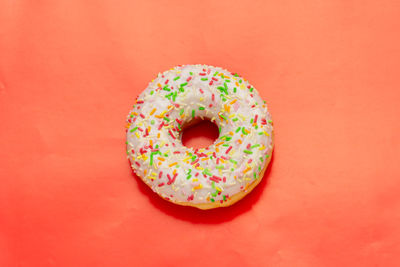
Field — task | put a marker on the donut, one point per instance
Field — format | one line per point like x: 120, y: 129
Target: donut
x: 218, y: 175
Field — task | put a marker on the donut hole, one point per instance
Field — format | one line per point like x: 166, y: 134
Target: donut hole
x: 199, y: 134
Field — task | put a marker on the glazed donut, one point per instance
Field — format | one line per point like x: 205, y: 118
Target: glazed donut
x: 206, y: 178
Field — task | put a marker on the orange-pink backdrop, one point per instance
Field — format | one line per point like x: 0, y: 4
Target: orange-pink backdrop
x: 70, y: 71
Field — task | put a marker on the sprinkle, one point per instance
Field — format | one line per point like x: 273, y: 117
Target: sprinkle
x: 193, y: 113
x: 171, y: 134
x: 247, y: 151
x: 181, y: 112
x: 256, y: 145
x: 204, y: 79
x: 176, y: 78
x: 201, y: 108
x: 134, y: 129
x: 200, y: 186
x: 233, y: 101
x: 173, y: 164
x: 229, y: 149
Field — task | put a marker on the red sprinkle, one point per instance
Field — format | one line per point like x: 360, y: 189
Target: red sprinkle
x: 161, y: 125
x: 141, y: 115
x: 229, y: 149
x: 171, y: 134
x: 255, y: 118
x: 140, y: 102
x: 166, y: 81
x: 201, y: 91
x: 188, y: 79
x: 191, y: 197
x: 137, y: 163
x: 159, y: 185
x: 160, y: 174
x: 213, y: 97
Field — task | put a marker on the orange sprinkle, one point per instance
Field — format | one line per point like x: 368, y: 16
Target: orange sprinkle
x: 158, y: 135
x: 174, y: 172
x: 159, y: 163
x: 152, y: 112
x: 233, y: 101
x: 217, y: 149
x: 160, y: 158
x: 220, y: 143
x: 173, y: 164
x: 204, y: 159
x: 246, y: 170
x: 159, y: 85
x: 231, y: 133
x: 239, y: 141
x: 145, y: 171
x: 227, y: 108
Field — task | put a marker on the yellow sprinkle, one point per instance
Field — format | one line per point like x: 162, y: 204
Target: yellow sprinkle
x: 200, y: 186
x: 151, y: 178
x: 186, y: 158
x: 242, y: 117
x: 195, y: 180
x: 219, y: 189
x: 201, y: 98
x: 152, y: 112
x: 262, y: 147
x: 266, y: 133
x: 162, y: 143
x: 173, y: 164
x: 137, y: 135
x: 174, y: 172
x: 200, y: 168
x: 231, y: 116
x: 242, y: 86
x: 154, y: 174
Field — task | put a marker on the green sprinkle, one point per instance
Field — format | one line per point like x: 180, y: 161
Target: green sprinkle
x: 152, y: 92
x: 247, y: 151
x: 228, y: 81
x: 224, y: 99
x: 255, y: 175
x: 235, y: 119
x: 256, y: 145
x: 215, y: 74
x: 222, y: 89
x: 256, y: 127
x: 176, y: 78
x: 251, y: 89
x: 232, y: 169
x: 193, y: 113
x: 222, y: 116
x: 260, y: 133
x: 181, y: 89
x: 204, y: 79
x: 266, y: 156
x: 251, y: 121
x: 269, y: 121
x: 225, y: 145
x: 243, y: 131
x: 212, y: 200
x: 183, y: 84
x: 240, y: 81
x: 165, y: 88
x: 201, y: 108
x: 238, y: 129
x: 151, y: 159
x: 166, y: 118
x: 134, y: 129
x: 234, y: 89
x: 207, y: 172
x: 165, y: 154
x: 181, y: 112
x: 233, y: 161
x: 236, y: 75
x: 179, y: 127
x: 224, y: 197
x: 219, y: 166
x: 152, y: 122
x: 261, y: 159
x: 226, y: 88
x: 174, y: 96
x: 219, y: 129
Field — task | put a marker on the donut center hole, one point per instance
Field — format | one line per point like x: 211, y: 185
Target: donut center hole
x: 199, y: 134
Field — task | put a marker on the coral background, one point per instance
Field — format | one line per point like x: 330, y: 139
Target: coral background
x: 71, y: 69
